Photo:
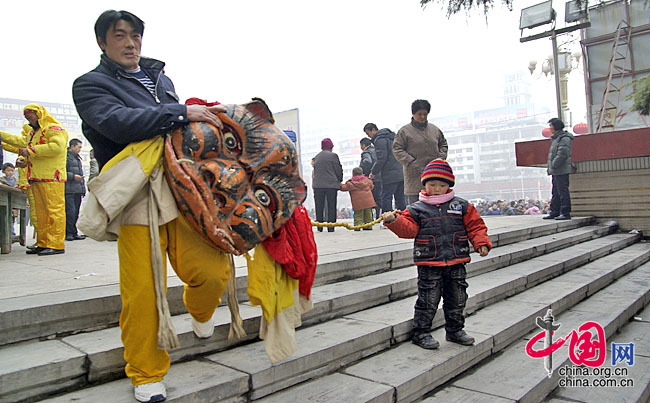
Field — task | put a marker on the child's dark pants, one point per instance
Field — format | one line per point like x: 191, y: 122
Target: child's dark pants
x: 434, y: 282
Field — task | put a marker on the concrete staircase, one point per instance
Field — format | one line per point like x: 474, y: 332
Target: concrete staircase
x: 353, y: 346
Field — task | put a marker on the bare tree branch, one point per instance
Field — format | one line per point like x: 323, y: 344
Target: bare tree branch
x: 455, y: 6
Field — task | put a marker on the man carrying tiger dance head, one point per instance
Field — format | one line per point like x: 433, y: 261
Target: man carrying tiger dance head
x: 42, y: 157
x: 124, y: 100
x: 199, y: 183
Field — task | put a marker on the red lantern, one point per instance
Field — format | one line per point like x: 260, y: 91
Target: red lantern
x: 547, y: 132
x: 581, y: 128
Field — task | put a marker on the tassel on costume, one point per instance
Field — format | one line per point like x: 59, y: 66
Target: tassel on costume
x: 167, y: 338
x: 236, y: 324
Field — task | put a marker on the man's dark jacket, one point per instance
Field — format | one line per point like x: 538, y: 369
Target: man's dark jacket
x: 559, y: 154
x: 117, y: 109
x: 368, y: 160
x: 73, y: 167
x: 387, y: 166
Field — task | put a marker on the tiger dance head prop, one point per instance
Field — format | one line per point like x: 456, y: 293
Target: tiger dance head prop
x: 238, y: 185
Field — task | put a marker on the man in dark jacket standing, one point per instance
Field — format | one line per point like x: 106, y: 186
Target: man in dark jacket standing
x: 392, y: 177
x: 368, y: 161
x: 328, y: 175
x: 75, y: 190
x: 559, y: 166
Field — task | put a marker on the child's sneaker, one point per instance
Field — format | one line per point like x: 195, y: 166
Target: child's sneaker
x: 460, y: 337
x: 150, y: 392
x: 425, y: 340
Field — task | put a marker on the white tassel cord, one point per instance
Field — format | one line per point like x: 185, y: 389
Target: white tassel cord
x: 236, y: 325
x: 167, y: 338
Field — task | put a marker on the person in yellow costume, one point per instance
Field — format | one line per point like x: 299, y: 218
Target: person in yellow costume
x: 44, y: 152
x: 23, y: 183
x: 126, y: 104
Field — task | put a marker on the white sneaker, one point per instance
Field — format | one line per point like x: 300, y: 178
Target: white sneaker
x: 150, y: 392
x: 203, y: 330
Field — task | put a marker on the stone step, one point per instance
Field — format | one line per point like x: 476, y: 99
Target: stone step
x: 32, y: 369
x: 500, y: 236
x: 523, y: 379
x: 384, y: 368
x: 414, y: 372
x: 623, y: 382
x: 65, y: 312
x: 497, y: 285
x: 104, y: 350
x: 401, y: 362
x: 335, y: 387
x: 504, y: 283
x: 193, y: 381
x: 513, y: 253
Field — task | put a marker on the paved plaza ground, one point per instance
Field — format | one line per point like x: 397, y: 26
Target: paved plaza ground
x: 88, y: 263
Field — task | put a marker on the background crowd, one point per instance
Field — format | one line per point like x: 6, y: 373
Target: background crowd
x: 514, y: 207
x: 484, y: 207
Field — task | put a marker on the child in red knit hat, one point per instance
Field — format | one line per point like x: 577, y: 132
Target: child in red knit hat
x: 360, y: 188
x: 442, y: 225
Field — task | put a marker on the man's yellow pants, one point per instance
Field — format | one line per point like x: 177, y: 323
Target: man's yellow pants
x: 203, y: 269
x: 32, y: 208
x: 49, y: 203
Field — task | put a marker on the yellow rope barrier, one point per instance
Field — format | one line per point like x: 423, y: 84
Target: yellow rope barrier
x: 346, y: 225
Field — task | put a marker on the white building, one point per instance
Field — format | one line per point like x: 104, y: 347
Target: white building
x: 482, y: 151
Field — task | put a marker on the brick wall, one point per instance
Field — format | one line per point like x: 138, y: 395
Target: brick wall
x: 615, y: 189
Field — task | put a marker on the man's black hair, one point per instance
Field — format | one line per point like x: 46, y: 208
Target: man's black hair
x: 109, y: 18
x: 420, y: 104
x: 74, y: 142
x: 365, y: 141
x: 369, y: 126
x: 557, y: 123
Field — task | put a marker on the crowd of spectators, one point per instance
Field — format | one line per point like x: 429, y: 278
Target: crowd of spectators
x: 518, y: 207
x: 499, y: 207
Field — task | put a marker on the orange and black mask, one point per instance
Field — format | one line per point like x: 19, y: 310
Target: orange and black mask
x: 235, y: 186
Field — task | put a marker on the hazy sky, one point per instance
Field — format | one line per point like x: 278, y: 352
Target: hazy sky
x: 343, y: 61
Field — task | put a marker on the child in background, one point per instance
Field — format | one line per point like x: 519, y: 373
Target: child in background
x: 9, y: 179
x: 8, y: 171
x: 360, y: 188
x: 441, y: 224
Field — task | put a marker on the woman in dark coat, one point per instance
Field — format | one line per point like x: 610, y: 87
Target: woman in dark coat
x: 328, y: 175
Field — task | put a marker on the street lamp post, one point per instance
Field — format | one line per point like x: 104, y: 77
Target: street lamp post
x: 560, y: 64
x: 556, y: 68
x: 542, y: 14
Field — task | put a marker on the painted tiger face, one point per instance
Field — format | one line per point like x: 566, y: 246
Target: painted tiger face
x: 238, y: 185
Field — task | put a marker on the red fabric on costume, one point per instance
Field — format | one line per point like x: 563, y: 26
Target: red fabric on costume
x: 199, y: 101
x: 294, y: 247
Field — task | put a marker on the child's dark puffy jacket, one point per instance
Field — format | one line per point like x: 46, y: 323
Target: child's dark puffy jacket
x: 442, y: 232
